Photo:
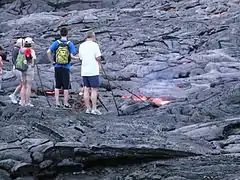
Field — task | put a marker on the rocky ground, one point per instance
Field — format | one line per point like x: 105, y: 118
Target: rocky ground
x: 183, y: 51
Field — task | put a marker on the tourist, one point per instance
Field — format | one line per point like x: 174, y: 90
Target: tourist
x: 29, y: 62
x: 63, y: 51
x: 90, y: 55
x: 18, y: 45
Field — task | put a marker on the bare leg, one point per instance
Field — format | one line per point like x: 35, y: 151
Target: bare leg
x: 28, y: 91
x: 65, y: 93
x: 18, y: 89
x: 23, y: 94
x: 86, y: 97
x: 94, y: 92
x: 23, y: 90
x: 19, y: 76
x: 57, y: 96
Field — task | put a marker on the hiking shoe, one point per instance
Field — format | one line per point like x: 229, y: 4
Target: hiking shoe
x: 21, y: 103
x: 57, y: 106
x: 88, y: 111
x: 30, y: 105
x: 68, y: 106
x: 13, y: 99
x: 96, y: 112
x: 18, y: 98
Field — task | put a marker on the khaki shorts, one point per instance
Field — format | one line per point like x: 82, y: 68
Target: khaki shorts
x: 18, y: 74
x: 28, y: 75
x: 25, y: 76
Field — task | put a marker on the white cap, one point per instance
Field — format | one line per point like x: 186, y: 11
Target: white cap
x: 29, y: 40
x: 20, y: 42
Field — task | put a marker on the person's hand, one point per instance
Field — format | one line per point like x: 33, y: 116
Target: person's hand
x: 25, y: 62
x: 100, y: 69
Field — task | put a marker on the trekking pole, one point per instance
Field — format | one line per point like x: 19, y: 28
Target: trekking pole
x: 40, y: 80
x: 115, y: 102
x: 131, y: 93
x: 102, y: 104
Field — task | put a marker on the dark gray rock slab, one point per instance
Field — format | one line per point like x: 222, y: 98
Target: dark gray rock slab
x: 196, y: 168
x: 186, y: 52
x: 23, y: 169
x: 8, y: 164
x: 4, y: 175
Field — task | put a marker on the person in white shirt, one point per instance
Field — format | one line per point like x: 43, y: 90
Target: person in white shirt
x: 90, y: 54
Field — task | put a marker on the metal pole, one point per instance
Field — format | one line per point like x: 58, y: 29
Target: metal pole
x: 40, y: 80
x: 102, y: 104
x: 115, y: 102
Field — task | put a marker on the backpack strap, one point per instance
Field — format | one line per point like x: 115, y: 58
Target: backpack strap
x: 59, y: 42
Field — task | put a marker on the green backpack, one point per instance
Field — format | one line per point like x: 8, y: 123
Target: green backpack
x: 20, y: 61
x: 62, y: 53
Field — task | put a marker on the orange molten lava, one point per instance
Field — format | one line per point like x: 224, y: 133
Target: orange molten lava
x: 157, y: 101
x: 126, y: 97
x: 50, y: 92
x: 141, y: 98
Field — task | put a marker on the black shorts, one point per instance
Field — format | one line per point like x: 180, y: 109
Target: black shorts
x: 91, y: 81
x: 62, y: 78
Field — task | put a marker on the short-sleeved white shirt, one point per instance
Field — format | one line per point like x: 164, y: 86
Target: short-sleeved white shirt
x: 88, y: 52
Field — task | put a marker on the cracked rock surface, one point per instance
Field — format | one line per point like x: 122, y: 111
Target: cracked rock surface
x: 183, y: 51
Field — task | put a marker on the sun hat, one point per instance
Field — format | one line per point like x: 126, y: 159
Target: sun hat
x: 20, y: 42
x: 29, y: 40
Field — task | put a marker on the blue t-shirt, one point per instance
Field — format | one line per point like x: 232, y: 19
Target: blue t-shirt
x: 72, y: 50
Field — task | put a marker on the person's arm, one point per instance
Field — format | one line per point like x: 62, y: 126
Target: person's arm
x: 34, y: 57
x: 73, y: 51
x: 79, y: 53
x: 51, y: 49
x: 14, y: 55
x: 1, y: 64
x: 99, y: 60
x: 74, y: 56
x: 98, y: 57
x: 49, y: 54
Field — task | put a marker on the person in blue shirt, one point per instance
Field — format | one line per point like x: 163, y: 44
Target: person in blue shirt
x: 63, y: 51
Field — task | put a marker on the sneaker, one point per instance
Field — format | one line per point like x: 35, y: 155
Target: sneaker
x: 21, y: 103
x: 96, y: 112
x: 67, y: 106
x: 18, y: 98
x: 30, y: 105
x: 13, y: 99
x: 57, y: 106
x: 88, y: 111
